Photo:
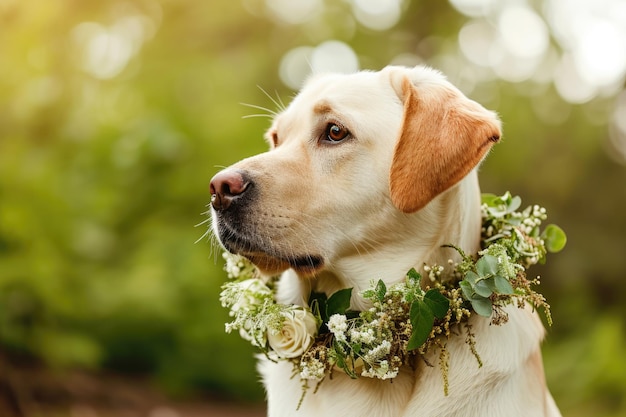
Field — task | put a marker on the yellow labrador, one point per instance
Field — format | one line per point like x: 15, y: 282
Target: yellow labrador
x: 368, y: 175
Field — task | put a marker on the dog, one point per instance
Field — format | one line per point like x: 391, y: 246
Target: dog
x: 368, y: 175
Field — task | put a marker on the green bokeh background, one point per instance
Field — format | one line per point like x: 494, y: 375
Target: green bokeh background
x: 103, y: 181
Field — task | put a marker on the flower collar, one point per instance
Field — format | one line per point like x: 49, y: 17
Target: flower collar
x: 405, y: 320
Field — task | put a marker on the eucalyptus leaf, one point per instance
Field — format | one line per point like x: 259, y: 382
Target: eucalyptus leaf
x: 484, y: 287
x: 554, y: 238
x: 502, y: 285
x: 472, y: 278
x: 437, y: 303
x: 487, y: 266
x: 422, y: 320
x: 482, y: 306
x: 467, y: 289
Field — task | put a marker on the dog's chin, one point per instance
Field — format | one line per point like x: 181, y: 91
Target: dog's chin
x: 306, y: 265
x: 268, y: 260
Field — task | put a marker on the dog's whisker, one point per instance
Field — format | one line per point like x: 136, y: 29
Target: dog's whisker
x: 265, y: 109
x: 205, y: 221
x: 281, y: 105
x: 252, y: 116
x: 278, y: 103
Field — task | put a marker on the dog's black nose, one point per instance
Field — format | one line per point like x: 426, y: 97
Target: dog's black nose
x: 225, y: 187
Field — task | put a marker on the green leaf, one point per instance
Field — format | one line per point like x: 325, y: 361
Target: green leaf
x: 487, y: 266
x: 422, y: 320
x: 482, y: 306
x: 437, y: 303
x: 467, y: 289
x: 339, y: 302
x: 489, y: 199
x: 414, y: 276
x: 340, y: 361
x: 317, y: 303
x: 502, y: 285
x: 514, y: 204
x: 484, y: 287
x: 381, y: 290
x: 472, y: 278
x: 554, y: 238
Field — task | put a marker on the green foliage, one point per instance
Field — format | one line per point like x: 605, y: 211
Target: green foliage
x: 422, y: 320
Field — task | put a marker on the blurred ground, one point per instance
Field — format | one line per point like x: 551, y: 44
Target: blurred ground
x: 33, y: 391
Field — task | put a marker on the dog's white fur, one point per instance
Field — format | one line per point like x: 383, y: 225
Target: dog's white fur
x: 382, y: 201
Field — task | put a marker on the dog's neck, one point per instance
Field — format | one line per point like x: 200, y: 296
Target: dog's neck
x: 451, y: 218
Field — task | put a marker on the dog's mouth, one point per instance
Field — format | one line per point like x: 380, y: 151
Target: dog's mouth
x: 269, y: 264
x: 264, y: 255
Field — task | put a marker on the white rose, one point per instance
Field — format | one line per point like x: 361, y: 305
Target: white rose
x: 252, y: 294
x: 296, y: 335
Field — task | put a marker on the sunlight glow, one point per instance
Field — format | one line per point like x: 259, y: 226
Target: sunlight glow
x: 377, y: 14
x: 106, y: 50
x: 513, y: 40
x: 523, y: 32
x: 293, y: 12
x: 331, y: 56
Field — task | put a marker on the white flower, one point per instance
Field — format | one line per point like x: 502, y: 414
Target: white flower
x: 378, y: 352
x: 381, y: 371
x: 338, y: 324
x: 248, y: 331
x: 362, y: 335
x: 296, y: 334
x: 237, y: 266
x: 252, y: 293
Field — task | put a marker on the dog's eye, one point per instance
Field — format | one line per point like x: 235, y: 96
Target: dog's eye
x: 335, y: 133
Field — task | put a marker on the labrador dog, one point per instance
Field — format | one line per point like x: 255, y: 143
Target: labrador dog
x: 368, y: 175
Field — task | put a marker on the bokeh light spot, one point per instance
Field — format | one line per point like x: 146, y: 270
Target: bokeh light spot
x: 331, y: 56
x: 523, y: 32
x: 293, y: 12
x: 295, y: 66
x: 569, y: 83
x: 474, y: 8
x: 601, y: 53
x: 377, y: 14
x: 476, y: 40
x: 334, y: 56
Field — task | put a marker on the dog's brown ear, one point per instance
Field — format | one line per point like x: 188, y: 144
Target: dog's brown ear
x: 443, y: 137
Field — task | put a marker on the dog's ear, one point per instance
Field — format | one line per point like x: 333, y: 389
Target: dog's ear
x: 443, y: 137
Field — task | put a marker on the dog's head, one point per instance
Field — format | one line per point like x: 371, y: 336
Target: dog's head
x: 351, y: 158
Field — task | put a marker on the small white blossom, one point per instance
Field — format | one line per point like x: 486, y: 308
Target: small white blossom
x: 378, y: 352
x: 338, y: 324
x: 381, y: 371
x: 252, y: 293
x: 237, y: 266
x: 362, y: 336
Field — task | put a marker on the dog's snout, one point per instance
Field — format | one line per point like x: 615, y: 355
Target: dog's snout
x: 226, y: 186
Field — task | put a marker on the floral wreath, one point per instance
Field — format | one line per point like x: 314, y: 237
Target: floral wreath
x: 406, y: 320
